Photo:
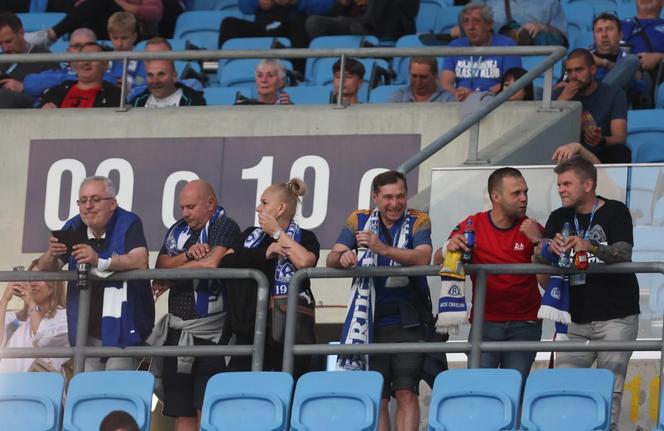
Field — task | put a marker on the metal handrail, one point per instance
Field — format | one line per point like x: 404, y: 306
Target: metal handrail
x: 476, y: 345
x: 81, y: 351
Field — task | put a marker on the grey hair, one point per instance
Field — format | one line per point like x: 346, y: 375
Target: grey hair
x: 84, y: 31
x: 110, y: 187
x: 487, y: 12
x: 281, y: 69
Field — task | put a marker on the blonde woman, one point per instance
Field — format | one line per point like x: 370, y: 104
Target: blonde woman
x: 278, y: 247
x: 42, y: 322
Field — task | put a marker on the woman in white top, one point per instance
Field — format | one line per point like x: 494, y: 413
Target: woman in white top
x: 42, y: 322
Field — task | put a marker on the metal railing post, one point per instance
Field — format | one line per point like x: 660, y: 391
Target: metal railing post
x: 548, y: 85
x: 123, y: 87
x: 291, y: 318
x: 479, y: 301
x: 262, y: 299
x: 84, y: 295
x: 340, y: 94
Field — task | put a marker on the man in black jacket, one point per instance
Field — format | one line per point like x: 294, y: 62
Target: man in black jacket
x: 164, y: 90
x: 89, y: 91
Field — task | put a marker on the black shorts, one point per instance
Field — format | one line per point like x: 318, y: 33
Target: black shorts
x: 183, y: 393
x: 401, y: 370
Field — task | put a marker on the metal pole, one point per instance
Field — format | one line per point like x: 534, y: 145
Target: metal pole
x: 262, y: 298
x: 548, y: 85
x: 123, y: 87
x: 291, y: 315
x: 83, y: 316
x: 479, y: 300
x: 340, y: 94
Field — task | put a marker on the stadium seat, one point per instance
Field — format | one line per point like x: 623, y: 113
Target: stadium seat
x: 647, y: 248
x: 333, y: 401
x: 626, y: 9
x: 659, y: 97
x: 475, y: 399
x: 331, y: 42
x: 59, y: 46
x: 570, y: 399
x: 579, y: 16
x: 400, y: 64
x: 310, y: 94
x: 246, y: 401
x: 31, y: 401
x: 582, y: 39
x: 645, y: 128
x: 36, y: 21
x: 216, y: 96
x: 226, y: 5
x: 531, y: 61
x: 598, y: 6
x: 382, y: 93
x: 201, y: 27
x: 92, y: 395
x: 253, y: 43
x: 427, y: 16
x: 176, y: 45
x: 447, y: 18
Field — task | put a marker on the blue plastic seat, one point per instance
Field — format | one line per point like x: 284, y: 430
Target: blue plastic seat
x: 475, y: 399
x: 31, y: 401
x: 201, y: 27
x: 427, y: 16
x: 176, y: 45
x: 93, y: 395
x: 211, y: 5
x: 36, y: 21
x: 400, y: 64
x: 382, y: 93
x: 530, y: 61
x: 579, y: 15
x: 247, y: 401
x: 659, y: 97
x: 310, y: 94
x: 337, y: 400
x: 252, y: 43
x: 447, y: 18
x: 330, y: 42
x: 216, y: 96
x: 598, y: 6
x: 570, y: 399
x: 645, y: 127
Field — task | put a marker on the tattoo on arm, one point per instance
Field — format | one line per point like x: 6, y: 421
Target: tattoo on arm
x: 614, y: 253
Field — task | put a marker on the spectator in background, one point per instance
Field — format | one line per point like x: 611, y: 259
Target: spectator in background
x: 88, y: 91
x: 645, y: 33
x: 123, y: 31
x: 510, y: 78
x: 270, y: 79
x: 528, y: 22
x: 464, y: 74
x: 604, y: 106
x: 118, y: 420
x: 614, y: 64
x: 35, y: 84
x: 423, y: 87
x: 164, y: 90
x: 388, y: 19
x: 42, y: 322
x: 12, y: 41
x: 353, y: 79
x: 94, y: 14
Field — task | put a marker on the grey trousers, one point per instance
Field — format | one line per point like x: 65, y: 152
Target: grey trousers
x: 624, y: 329
x: 100, y: 364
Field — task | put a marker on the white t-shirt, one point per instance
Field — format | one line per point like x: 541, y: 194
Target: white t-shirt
x: 172, y: 100
x: 51, y: 333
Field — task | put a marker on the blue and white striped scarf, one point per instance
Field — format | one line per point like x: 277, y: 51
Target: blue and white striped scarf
x: 207, y: 293
x: 285, y: 269
x: 359, y: 322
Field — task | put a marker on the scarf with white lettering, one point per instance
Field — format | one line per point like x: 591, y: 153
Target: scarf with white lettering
x: 555, y: 303
x: 358, y: 325
x: 207, y: 295
x: 452, y: 307
x: 285, y: 269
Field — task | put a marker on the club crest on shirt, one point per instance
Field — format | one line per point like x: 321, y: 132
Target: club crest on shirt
x: 519, y: 246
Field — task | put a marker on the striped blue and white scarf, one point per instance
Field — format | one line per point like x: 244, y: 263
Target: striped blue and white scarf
x: 207, y: 294
x: 358, y: 325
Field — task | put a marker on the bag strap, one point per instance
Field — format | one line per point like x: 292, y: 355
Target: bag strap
x: 642, y: 33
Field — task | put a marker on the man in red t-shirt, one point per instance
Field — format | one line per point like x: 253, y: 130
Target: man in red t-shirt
x: 89, y: 91
x: 505, y: 235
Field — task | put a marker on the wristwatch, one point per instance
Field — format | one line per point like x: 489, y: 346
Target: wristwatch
x: 276, y: 235
x: 594, y: 247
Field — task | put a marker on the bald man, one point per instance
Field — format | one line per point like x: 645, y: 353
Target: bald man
x: 198, y: 240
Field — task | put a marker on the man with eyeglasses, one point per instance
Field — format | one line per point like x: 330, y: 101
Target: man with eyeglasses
x: 108, y: 239
x: 423, y: 87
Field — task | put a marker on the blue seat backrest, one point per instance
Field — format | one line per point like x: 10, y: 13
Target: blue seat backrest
x: 382, y: 93
x: 201, y: 27
x: 310, y: 94
x: 475, y: 399
x: 244, y: 401
x: 216, y: 96
x: 337, y: 400
x: 31, y: 401
x: 36, y: 21
x: 331, y: 42
x: 427, y: 16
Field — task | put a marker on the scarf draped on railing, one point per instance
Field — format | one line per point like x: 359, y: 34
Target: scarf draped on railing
x: 452, y: 307
x: 358, y: 325
x: 207, y: 294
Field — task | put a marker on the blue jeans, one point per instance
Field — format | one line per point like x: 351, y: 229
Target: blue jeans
x: 514, y: 330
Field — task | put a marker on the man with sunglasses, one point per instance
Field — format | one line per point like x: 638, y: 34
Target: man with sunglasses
x: 108, y: 239
x: 645, y: 33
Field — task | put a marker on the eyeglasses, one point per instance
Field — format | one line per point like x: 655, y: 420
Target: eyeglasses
x: 94, y: 200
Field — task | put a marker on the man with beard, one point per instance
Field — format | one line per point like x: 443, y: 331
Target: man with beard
x: 423, y: 73
x: 164, y: 89
x: 504, y: 235
x: 604, y: 108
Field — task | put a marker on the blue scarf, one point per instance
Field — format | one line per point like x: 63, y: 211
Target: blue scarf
x: 285, y: 269
x: 128, y: 312
x: 358, y: 325
x: 207, y: 293
x: 555, y: 303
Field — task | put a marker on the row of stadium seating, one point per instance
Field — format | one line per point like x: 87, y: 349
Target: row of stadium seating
x: 462, y: 399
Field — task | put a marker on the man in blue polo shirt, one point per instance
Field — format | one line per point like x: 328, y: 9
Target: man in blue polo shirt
x: 645, y: 33
x: 462, y: 75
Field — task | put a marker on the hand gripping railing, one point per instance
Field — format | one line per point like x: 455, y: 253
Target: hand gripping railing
x: 81, y: 351
x: 476, y: 346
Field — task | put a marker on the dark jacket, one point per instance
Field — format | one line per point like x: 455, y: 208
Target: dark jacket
x: 107, y: 97
x: 189, y: 97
